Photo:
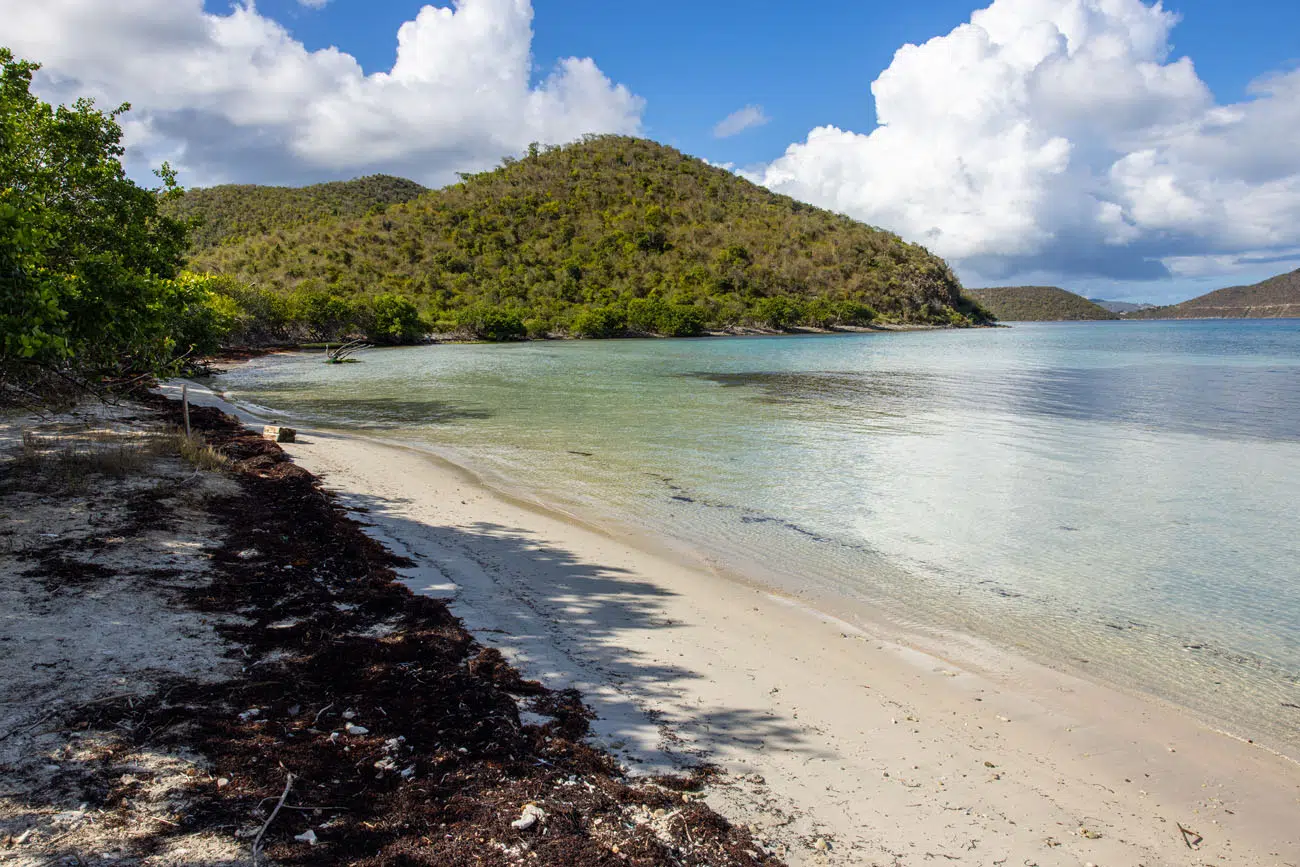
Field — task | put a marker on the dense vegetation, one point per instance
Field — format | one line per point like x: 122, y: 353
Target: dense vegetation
x: 1038, y: 304
x: 233, y: 211
x: 607, y: 237
x: 90, y: 272
x: 604, y: 237
x: 1275, y: 298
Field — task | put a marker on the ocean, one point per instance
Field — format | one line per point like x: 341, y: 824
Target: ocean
x: 1120, y: 499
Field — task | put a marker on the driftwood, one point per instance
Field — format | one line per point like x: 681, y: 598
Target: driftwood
x: 1190, y: 837
x: 345, y: 351
x: 257, y: 843
x: 279, y: 434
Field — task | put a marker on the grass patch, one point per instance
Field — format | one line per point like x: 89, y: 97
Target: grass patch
x: 67, y: 460
x: 195, y: 450
x: 72, y: 458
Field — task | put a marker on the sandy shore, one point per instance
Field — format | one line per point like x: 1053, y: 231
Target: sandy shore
x: 845, y: 746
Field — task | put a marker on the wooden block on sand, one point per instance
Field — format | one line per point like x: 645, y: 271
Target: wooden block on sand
x: 279, y: 434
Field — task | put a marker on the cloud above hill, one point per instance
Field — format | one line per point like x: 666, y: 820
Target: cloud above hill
x: 749, y: 117
x: 235, y: 96
x: 1060, y: 137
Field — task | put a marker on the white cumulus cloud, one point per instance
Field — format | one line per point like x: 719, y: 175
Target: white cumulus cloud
x: 235, y: 96
x: 1061, y: 137
x: 738, y: 121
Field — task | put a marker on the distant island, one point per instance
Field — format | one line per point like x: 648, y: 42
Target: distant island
x: 1275, y: 298
x: 606, y: 237
x: 1038, y: 304
x: 1121, y: 307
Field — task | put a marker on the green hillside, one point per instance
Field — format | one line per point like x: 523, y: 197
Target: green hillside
x: 607, y: 236
x: 237, y: 210
x: 1275, y: 298
x: 1038, y: 304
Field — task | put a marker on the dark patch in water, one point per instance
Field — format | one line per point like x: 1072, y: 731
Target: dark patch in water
x: 376, y: 413
x: 871, y: 388
x: 764, y: 519
x: 680, y: 495
x: 1224, y: 400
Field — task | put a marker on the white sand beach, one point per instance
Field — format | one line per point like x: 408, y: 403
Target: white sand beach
x: 843, y: 745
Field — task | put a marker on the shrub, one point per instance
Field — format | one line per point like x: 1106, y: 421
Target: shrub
x: 854, y: 313
x: 491, y: 323
x: 325, y: 315
x: 599, y: 322
x: 538, y: 328
x: 390, y: 320
x: 654, y: 316
x: 777, y: 312
x: 202, y: 319
x: 261, y: 316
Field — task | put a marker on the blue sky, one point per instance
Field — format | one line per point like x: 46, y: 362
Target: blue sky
x: 806, y: 64
x: 1117, y: 147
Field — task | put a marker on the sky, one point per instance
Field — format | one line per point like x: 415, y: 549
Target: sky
x: 1119, y: 148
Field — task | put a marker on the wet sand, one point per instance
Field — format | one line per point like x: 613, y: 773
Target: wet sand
x: 844, y: 745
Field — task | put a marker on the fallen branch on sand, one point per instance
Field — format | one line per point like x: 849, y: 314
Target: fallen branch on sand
x: 1190, y: 837
x: 257, y: 843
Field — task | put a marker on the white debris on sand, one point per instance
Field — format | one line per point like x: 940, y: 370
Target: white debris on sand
x: 531, y: 815
x: 88, y: 619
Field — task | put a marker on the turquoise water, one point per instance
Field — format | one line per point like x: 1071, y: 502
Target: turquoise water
x: 1122, y: 499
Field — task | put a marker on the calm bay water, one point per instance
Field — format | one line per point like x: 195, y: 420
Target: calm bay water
x: 1120, y: 498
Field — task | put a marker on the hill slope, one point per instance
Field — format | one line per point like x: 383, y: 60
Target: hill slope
x: 234, y: 211
x: 1038, y: 304
x: 568, y: 239
x: 1122, y: 307
x: 1275, y: 298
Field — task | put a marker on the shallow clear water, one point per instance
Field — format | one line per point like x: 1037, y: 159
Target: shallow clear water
x: 1122, y: 498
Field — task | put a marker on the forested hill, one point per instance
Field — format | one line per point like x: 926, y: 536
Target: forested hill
x: 608, y: 235
x: 1275, y: 298
x: 1038, y: 304
x: 237, y: 210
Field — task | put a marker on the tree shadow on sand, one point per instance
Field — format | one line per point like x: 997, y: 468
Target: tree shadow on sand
x: 567, y: 623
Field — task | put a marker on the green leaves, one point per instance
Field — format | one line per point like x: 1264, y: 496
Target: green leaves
x: 594, y: 226
x: 486, y: 322
x: 393, y: 320
x: 653, y: 316
x: 87, y: 265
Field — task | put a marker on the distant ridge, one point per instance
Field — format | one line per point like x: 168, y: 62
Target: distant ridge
x: 1121, y: 307
x: 1038, y: 304
x: 235, y: 211
x: 1275, y: 298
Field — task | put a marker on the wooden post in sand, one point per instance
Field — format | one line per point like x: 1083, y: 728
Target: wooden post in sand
x: 185, y: 406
